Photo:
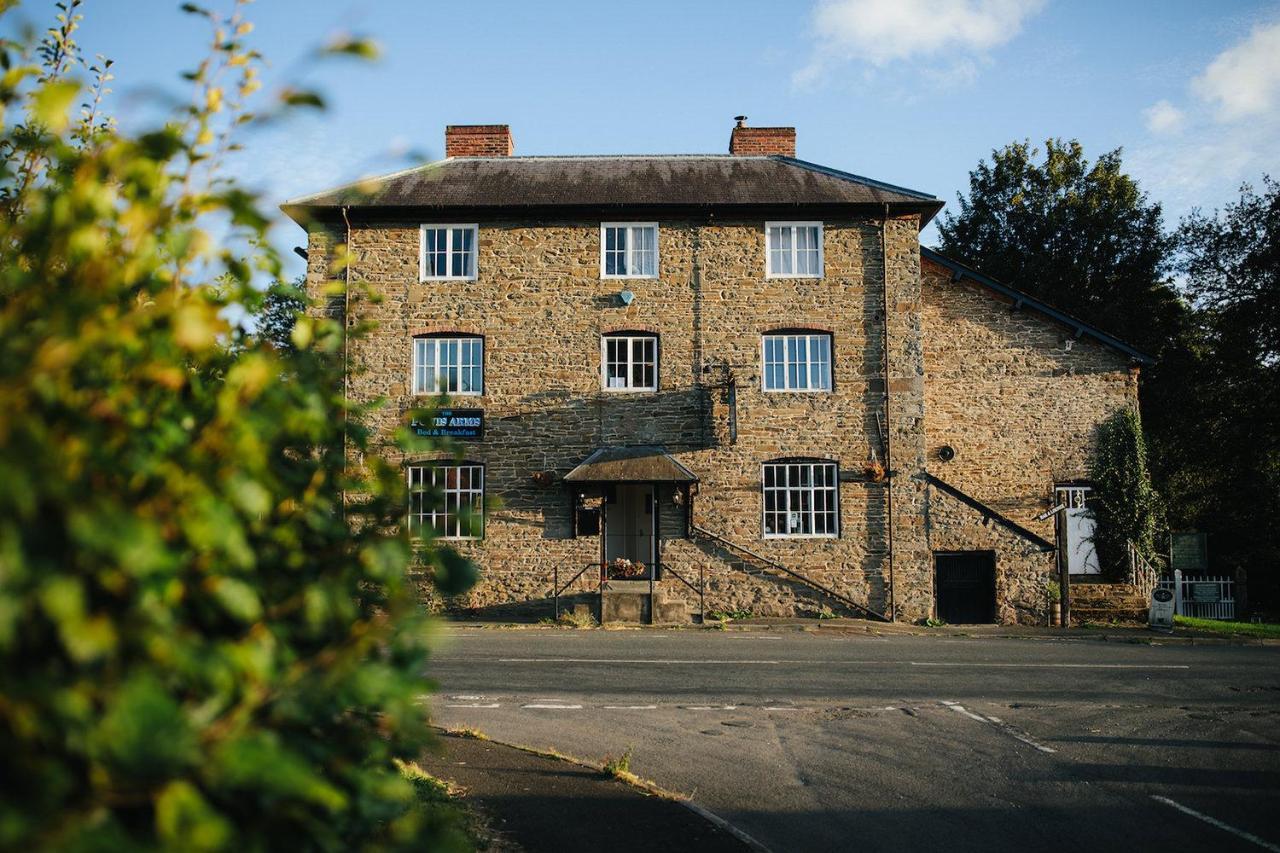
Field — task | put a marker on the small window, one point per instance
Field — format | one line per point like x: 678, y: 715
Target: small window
x: 448, y: 251
x: 629, y: 362
x: 448, y: 499
x: 448, y: 365
x: 801, y: 499
x: 794, y: 249
x: 629, y: 250
x: 797, y: 362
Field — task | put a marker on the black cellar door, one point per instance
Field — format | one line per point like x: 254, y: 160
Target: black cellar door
x: 966, y: 587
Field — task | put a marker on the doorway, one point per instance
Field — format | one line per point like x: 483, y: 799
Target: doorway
x: 966, y: 587
x: 629, y: 525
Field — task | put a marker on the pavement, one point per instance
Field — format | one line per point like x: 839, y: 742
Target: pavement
x: 546, y: 805
x: 831, y: 740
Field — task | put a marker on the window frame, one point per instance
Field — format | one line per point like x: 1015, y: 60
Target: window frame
x: 630, y: 337
x: 793, y: 225
x: 449, y: 229
x: 811, y: 461
x: 444, y: 465
x: 657, y: 254
x: 796, y: 333
x: 437, y: 338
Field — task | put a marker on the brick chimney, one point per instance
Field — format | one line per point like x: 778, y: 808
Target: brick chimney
x: 478, y: 140
x: 756, y: 141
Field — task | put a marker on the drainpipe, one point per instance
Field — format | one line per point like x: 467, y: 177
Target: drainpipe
x: 888, y: 422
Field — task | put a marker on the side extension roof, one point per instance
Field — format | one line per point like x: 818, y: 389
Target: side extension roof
x: 1024, y: 300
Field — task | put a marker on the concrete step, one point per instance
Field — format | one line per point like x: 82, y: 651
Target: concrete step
x: 670, y: 612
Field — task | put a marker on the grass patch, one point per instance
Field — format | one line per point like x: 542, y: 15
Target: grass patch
x: 571, y: 619
x: 616, y: 768
x: 472, y: 734
x: 730, y: 615
x: 1261, y: 630
x: 437, y: 805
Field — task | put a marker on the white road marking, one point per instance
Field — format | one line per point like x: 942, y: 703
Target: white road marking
x: 550, y: 707
x: 1213, y: 821
x: 708, y: 707
x: 1016, y: 734
x: 1054, y: 665
x: 782, y: 708
x: 699, y: 661
x: 630, y: 707
x: 474, y: 705
x: 463, y: 697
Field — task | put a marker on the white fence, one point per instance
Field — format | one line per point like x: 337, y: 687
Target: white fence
x: 1204, y: 596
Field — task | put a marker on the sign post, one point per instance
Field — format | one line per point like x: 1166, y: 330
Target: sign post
x: 1160, y: 616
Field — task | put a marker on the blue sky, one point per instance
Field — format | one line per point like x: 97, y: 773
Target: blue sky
x: 913, y: 92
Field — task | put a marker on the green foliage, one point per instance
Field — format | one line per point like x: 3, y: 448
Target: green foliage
x: 1124, y: 503
x: 618, y: 767
x: 1081, y: 235
x: 1230, y: 482
x: 207, y: 636
x: 282, y: 304
x: 1054, y: 590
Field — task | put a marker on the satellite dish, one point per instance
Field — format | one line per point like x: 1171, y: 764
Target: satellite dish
x: 627, y: 297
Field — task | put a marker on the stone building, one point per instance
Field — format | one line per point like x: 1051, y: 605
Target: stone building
x: 723, y: 382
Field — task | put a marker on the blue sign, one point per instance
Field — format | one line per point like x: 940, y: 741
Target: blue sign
x: 451, y: 423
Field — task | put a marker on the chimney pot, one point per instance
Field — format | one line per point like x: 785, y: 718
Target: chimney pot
x: 478, y: 140
x: 761, y: 141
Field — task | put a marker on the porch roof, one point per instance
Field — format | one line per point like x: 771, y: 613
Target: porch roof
x: 630, y: 464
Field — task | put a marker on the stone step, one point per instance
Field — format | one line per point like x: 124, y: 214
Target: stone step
x: 1108, y: 614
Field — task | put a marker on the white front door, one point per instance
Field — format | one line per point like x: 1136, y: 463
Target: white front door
x: 1082, y: 555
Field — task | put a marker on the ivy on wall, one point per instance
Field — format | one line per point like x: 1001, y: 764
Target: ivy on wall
x: 1125, y: 504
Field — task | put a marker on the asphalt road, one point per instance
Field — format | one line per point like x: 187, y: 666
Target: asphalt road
x: 814, y: 742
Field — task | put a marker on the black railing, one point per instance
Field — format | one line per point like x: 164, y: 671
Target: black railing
x: 776, y: 566
x: 700, y: 589
x: 557, y: 589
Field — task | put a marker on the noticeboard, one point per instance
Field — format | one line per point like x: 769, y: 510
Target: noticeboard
x: 1206, y: 593
x: 1189, y: 551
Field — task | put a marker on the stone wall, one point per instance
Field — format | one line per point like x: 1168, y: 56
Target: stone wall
x: 963, y: 370
x: 1021, y: 412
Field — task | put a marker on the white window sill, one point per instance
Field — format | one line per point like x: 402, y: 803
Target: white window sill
x: 629, y: 390
x: 446, y: 278
x: 801, y: 536
x: 793, y: 275
x: 797, y: 390
x: 606, y: 277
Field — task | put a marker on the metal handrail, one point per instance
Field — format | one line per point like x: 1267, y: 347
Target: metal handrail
x: 556, y: 588
x: 700, y: 589
x: 810, y: 582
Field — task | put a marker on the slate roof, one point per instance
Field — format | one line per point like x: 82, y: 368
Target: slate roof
x: 616, y: 181
x: 630, y: 464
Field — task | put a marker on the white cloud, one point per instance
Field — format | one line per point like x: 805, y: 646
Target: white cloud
x: 1244, y: 80
x: 880, y: 32
x: 1163, y: 117
x: 1232, y: 128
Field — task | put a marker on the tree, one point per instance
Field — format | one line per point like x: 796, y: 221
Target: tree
x: 1231, y: 262
x: 1082, y: 236
x: 282, y: 304
x: 207, y: 636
